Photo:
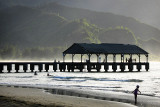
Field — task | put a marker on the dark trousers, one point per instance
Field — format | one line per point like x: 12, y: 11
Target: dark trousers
x: 135, y: 96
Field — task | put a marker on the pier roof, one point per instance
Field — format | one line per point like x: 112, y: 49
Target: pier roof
x: 104, y: 48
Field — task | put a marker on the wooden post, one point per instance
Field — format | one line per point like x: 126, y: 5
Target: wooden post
x: 25, y: 67
x: 16, y: 68
x: 131, y: 57
x: 123, y: 58
x: 147, y: 58
x: 106, y: 57
x: 31, y: 67
x: 9, y: 67
x: 89, y: 57
x: 81, y: 57
x: 55, y: 65
x: 1, y: 68
x: 139, y: 57
x: 97, y: 57
x: 114, y: 57
x: 72, y: 57
x: 46, y: 67
x: 40, y: 67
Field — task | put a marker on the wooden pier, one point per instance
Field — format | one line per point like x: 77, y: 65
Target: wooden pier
x: 125, y: 51
x: 72, y: 67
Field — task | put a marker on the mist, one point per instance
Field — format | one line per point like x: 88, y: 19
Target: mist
x: 147, y: 11
x: 42, y: 30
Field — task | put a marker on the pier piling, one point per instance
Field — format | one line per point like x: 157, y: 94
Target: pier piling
x: 74, y: 66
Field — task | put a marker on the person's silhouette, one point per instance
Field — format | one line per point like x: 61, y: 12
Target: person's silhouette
x: 135, y: 92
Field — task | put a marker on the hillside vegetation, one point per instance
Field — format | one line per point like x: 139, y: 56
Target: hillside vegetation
x: 46, y: 31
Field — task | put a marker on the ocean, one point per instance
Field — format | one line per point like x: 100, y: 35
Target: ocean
x: 124, y: 82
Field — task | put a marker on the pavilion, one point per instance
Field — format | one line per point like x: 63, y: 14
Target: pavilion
x: 108, y: 49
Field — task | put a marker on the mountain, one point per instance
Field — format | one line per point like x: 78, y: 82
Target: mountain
x: 144, y: 10
x: 29, y: 27
x: 147, y: 11
x: 25, y: 26
x: 104, y: 20
x: 58, y: 26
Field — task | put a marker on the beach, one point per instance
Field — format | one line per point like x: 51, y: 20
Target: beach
x: 34, y: 96
x: 71, y: 89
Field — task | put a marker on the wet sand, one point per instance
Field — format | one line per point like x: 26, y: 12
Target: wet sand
x: 29, y: 97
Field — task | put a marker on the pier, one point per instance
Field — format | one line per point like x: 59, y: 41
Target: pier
x: 71, y: 67
x: 82, y: 49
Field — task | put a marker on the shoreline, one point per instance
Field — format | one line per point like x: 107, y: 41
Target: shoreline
x: 122, y: 98
x: 30, y: 95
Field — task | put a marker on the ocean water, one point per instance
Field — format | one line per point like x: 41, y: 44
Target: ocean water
x: 125, y: 82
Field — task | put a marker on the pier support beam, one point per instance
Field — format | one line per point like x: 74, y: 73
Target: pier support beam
x: 98, y: 67
x: 9, y: 67
x: 1, y: 68
x: 46, y: 67
x: 55, y: 66
x: 88, y: 67
x: 16, y: 68
x: 25, y: 67
x: 106, y: 67
x: 81, y: 67
x: 130, y: 67
x: 147, y: 66
x: 62, y: 67
x: 40, y: 67
x: 31, y: 67
x: 122, y: 67
x: 114, y: 67
x: 139, y: 67
x: 72, y: 68
x: 68, y: 68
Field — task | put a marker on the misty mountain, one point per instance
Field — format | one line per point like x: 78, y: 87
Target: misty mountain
x: 54, y: 25
x: 104, y: 20
x: 147, y: 11
x: 28, y: 27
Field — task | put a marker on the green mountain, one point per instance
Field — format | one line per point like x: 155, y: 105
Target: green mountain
x: 23, y: 26
x: 104, y: 20
x: 37, y: 32
x: 140, y: 30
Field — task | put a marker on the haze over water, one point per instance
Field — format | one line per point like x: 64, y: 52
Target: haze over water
x: 100, y: 82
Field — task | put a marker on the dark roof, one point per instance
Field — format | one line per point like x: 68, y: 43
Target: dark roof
x: 104, y: 48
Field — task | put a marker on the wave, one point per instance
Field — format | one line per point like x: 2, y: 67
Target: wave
x: 82, y: 79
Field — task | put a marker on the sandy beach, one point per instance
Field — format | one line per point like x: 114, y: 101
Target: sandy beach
x: 38, y: 97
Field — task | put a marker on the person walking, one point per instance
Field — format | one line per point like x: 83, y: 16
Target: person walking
x: 135, y: 92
